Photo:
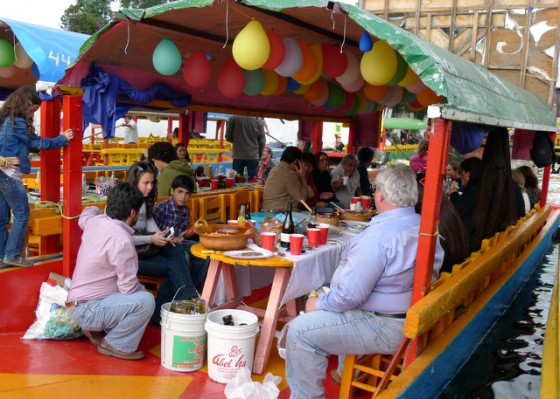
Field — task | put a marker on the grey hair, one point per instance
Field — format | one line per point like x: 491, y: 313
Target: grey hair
x: 349, y: 157
x: 399, y: 186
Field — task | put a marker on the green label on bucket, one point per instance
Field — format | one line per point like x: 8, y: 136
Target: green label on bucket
x: 188, y: 352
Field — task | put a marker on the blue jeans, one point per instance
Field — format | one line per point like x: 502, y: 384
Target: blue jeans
x: 312, y: 337
x: 251, y: 164
x: 14, y: 197
x: 123, y: 317
x: 170, y: 263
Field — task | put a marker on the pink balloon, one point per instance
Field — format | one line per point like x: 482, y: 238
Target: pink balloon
x: 355, y: 86
x: 393, y: 97
x: 8, y: 72
x: 196, y: 70
x: 277, y: 50
x: 417, y: 87
x: 352, y: 72
x: 334, y: 62
x: 231, y: 80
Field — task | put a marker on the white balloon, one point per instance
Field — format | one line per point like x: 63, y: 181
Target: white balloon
x: 293, y: 60
x: 23, y: 60
x: 352, y: 71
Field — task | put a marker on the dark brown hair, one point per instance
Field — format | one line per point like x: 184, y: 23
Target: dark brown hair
x: 133, y: 177
x: 17, y: 105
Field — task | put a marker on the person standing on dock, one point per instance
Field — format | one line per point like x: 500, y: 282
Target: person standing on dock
x: 247, y: 136
x: 130, y: 131
x: 106, y: 299
x: 18, y: 139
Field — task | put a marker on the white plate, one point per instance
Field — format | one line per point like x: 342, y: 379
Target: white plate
x: 249, y: 254
x: 334, y: 231
x: 355, y: 227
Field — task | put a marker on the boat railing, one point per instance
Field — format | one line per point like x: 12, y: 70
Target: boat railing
x: 450, y: 298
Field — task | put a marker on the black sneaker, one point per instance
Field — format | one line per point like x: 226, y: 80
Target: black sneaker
x: 19, y: 261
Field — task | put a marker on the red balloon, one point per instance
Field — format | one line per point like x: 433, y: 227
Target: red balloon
x: 277, y: 50
x: 231, y: 80
x: 196, y: 70
x: 334, y: 62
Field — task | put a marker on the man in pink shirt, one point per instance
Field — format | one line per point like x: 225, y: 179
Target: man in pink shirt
x: 106, y: 299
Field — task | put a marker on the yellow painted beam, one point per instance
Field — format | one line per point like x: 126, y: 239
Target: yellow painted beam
x: 550, y: 375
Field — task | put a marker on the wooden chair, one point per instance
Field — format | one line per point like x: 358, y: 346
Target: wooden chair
x: 256, y: 204
x: 237, y: 199
x: 152, y: 284
x: 213, y: 209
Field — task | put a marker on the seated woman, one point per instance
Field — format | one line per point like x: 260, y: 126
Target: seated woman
x: 322, y: 178
x: 285, y: 183
x: 169, y: 261
x: 365, y: 157
x: 531, y: 184
x: 453, y: 177
x: 419, y: 160
x: 183, y: 154
x: 266, y: 164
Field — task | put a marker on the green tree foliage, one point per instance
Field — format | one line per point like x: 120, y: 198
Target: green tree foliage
x: 86, y: 16
x: 141, y: 3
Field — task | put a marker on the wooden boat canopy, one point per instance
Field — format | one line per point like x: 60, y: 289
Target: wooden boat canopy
x: 125, y: 46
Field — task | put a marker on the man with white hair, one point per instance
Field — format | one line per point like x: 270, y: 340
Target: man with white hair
x: 371, y: 289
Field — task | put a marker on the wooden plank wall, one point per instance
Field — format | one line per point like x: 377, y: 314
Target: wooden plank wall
x: 491, y: 33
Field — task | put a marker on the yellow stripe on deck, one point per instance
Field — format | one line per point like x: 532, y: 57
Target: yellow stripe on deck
x: 91, y: 386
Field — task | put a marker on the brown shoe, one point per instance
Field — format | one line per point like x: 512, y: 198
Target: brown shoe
x: 106, y: 349
x: 96, y: 337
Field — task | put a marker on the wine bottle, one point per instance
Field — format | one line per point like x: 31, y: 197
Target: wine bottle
x: 288, y: 228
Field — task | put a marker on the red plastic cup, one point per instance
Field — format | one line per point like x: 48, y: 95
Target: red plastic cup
x: 313, y: 237
x: 229, y: 182
x: 355, y: 200
x: 366, y: 202
x: 323, y: 233
x: 268, y: 240
x: 296, y: 242
x: 214, y: 184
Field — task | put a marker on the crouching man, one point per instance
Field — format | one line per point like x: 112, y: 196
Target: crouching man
x: 106, y: 300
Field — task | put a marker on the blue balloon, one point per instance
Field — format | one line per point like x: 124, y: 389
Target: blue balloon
x: 166, y: 58
x: 366, y: 44
x: 293, y: 84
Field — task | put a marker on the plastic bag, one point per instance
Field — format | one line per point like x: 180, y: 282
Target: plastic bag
x: 53, y: 320
x: 242, y: 387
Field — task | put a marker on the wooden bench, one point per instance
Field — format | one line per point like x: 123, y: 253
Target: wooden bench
x: 449, y: 299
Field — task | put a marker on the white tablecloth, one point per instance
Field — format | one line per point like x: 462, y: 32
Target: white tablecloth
x: 311, y: 271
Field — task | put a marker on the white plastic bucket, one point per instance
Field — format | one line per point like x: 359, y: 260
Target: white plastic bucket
x: 183, y: 340
x: 230, y: 348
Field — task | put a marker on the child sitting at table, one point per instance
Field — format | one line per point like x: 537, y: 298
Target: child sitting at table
x: 174, y: 212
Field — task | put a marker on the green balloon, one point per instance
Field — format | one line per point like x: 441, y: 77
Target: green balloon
x: 254, y: 82
x: 336, y: 96
x: 7, y: 55
x: 166, y: 58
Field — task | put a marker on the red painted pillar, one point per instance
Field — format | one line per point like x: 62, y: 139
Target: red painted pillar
x: 317, y: 139
x: 435, y: 172
x: 169, y: 128
x: 352, y: 136
x: 50, y: 166
x: 184, y: 130
x: 546, y: 178
x: 72, y: 178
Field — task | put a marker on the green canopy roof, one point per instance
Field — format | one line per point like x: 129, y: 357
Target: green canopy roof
x: 470, y: 92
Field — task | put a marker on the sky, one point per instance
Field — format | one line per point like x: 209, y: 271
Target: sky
x: 39, y: 12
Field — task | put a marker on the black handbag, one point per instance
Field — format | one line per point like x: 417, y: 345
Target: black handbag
x: 146, y: 251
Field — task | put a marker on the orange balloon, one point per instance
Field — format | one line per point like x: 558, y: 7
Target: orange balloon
x: 428, y: 97
x: 375, y: 93
x: 282, y: 85
x: 318, y: 51
x: 309, y: 65
x: 270, y: 82
x: 363, y: 103
x: 316, y: 90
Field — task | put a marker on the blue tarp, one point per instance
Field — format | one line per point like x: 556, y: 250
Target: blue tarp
x: 52, y: 50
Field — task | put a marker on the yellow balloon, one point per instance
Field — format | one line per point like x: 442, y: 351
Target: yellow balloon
x: 270, y: 82
x: 251, y: 46
x: 409, y: 79
x: 378, y: 65
x: 302, y: 89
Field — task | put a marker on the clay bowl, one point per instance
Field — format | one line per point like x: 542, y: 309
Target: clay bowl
x: 222, y: 237
x: 331, y: 218
x: 359, y: 216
